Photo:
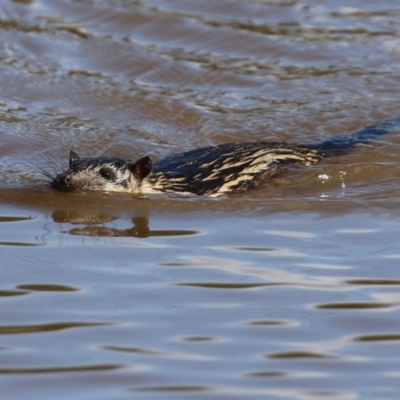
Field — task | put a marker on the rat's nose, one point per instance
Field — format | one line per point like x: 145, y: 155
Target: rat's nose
x: 62, y: 182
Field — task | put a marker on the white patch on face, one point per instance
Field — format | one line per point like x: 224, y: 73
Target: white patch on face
x: 121, y: 180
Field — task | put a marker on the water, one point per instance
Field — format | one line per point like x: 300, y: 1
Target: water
x: 290, y: 291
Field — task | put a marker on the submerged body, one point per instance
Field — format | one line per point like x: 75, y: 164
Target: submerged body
x: 212, y: 171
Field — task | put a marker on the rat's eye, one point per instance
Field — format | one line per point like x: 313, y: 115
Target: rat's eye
x: 105, y: 173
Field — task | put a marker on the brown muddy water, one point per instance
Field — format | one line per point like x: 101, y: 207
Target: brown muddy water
x: 290, y: 291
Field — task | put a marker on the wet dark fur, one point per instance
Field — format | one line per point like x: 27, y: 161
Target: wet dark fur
x: 212, y: 171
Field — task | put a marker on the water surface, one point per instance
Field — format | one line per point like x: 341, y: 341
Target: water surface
x: 290, y: 291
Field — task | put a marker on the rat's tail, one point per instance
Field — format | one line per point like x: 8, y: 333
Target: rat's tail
x: 345, y: 144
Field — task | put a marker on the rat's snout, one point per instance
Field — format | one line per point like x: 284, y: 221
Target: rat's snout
x: 62, y: 182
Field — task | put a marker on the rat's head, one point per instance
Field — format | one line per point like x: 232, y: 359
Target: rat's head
x: 102, y: 173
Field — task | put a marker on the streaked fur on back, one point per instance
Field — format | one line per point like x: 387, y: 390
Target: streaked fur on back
x: 222, y: 169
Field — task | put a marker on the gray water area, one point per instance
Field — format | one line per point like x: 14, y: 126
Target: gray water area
x: 289, y: 291
x: 257, y: 303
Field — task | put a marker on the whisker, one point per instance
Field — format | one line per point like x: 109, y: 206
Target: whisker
x: 41, y: 170
x: 29, y: 166
x: 51, y: 161
x: 44, y: 172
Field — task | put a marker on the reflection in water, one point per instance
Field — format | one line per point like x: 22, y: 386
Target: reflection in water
x: 140, y: 227
x: 81, y: 217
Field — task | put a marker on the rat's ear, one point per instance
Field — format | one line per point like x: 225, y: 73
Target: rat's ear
x: 141, y: 168
x: 73, y: 157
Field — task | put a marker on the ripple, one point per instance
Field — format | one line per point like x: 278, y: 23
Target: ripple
x: 198, y: 339
x: 10, y: 293
x: 353, y: 306
x: 52, y: 370
x: 293, y: 234
x: 299, y: 354
x: 16, y: 329
x: 267, y: 374
x: 14, y: 219
x: 19, y: 244
x: 382, y: 337
x: 135, y: 350
x: 43, y: 287
x: 281, y: 374
x: 267, y: 322
x: 168, y: 355
x: 374, y: 282
x: 222, y: 285
x: 256, y: 249
x: 180, y: 388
